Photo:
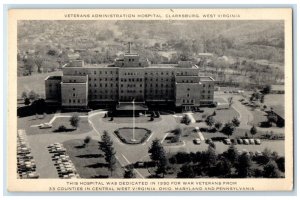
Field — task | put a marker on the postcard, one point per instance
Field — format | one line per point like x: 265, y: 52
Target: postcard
x: 150, y: 100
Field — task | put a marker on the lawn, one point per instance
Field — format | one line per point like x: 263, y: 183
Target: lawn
x: 258, y: 116
x: 274, y: 100
x: 35, y: 82
x: 27, y: 122
x: 83, y: 126
x: 223, y: 116
x: 89, y: 160
x: 126, y: 134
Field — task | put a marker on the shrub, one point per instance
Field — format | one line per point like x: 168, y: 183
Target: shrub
x: 62, y: 128
x: 87, y: 140
x: 186, y: 120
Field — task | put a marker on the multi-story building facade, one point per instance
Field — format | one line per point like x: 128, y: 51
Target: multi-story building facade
x: 130, y: 78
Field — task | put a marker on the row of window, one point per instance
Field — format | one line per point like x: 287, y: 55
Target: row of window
x: 104, y: 79
x: 74, y: 101
x: 131, y: 79
x: 156, y: 73
x: 187, y: 101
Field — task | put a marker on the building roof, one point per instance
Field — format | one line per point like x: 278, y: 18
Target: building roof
x: 277, y: 87
x: 279, y: 110
x: 206, y: 78
x: 53, y: 78
x: 129, y: 106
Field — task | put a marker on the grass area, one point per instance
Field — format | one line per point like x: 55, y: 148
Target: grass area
x: 126, y: 134
x: 223, y: 116
x: 83, y: 127
x: 89, y: 160
x: 258, y: 116
x: 35, y: 82
x: 274, y: 99
x: 26, y: 123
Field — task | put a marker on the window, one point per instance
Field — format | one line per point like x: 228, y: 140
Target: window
x: 95, y: 72
x: 78, y: 101
x: 73, y: 89
x: 70, y: 101
x: 74, y: 101
x: 188, y: 95
x: 188, y: 89
x: 183, y: 101
x: 73, y: 94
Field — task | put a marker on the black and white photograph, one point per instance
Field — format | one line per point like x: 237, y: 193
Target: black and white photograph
x: 152, y: 99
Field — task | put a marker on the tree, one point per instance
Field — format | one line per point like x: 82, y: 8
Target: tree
x: 218, y: 125
x: 267, y: 89
x: 243, y: 166
x: 74, y: 121
x: 210, y: 121
x: 38, y: 62
x: 186, y: 171
x: 236, y: 122
x: 129, y: 173
x: 87, y: 140
x: 272, y: 118
x: 281, y: 163
x: 211, y: 157
x: 156, y: 151
x: 186, y: 120
x: 162, y: 166
x: 228, y: 129
x: 271, y: 170
x: 232, y: 154
x: 111, y: 160
x: 230, y: 101
x: 223, y: 167
x: 105, y: 141
x: 158, y: 155
x: 106, y: 145
x: 32, y: 95
x: 24, y: 95
x: 178, y: 133
x: 27, y: 101
x: 253, y: 131
x: 29, y: 65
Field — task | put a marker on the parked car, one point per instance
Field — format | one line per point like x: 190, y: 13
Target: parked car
x: 239, y: 141
x: 257, y: 141
x: 45, y: 125
x: 233, y: 141
x: 197, y: 141
x: 258, y: 153
x: 227, y: 141
x: 251, y: 141
x: 246, y: 141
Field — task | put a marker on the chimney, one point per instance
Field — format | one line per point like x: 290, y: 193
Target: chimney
x: 129, y: 47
